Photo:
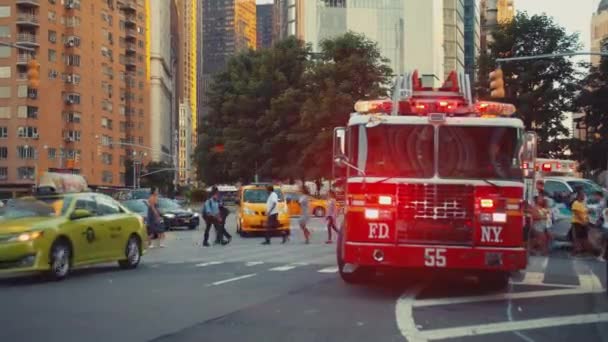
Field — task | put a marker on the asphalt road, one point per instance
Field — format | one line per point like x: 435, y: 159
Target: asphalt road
x: 292, y: 292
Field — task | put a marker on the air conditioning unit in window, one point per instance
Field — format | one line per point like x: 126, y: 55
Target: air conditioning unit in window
x: 70, y: 42
x: 68, y: 79
x: 69, y: 101
x: 35, y: 136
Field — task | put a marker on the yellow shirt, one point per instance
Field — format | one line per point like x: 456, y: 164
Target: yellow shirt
x: 580, y: 213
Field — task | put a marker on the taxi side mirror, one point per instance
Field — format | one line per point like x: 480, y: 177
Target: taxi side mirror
x: 80, y: 214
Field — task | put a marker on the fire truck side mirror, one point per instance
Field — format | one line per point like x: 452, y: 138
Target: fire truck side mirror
x: 528, y: 157
x: 339, y: 141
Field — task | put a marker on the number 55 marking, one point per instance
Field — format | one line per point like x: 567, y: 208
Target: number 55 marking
x: 434, y: 257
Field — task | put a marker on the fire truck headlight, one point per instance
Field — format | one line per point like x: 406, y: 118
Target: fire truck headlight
x: 487, y: 203
x: 372, y: 214
x: 499, y: 217
x: 385, y: 200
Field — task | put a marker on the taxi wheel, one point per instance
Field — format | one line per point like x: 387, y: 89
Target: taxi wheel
x: 61, y: 258
x: 132, y: 254
x: 319, y: 212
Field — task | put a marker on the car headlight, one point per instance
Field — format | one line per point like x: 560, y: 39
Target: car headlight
x: 169, y: 216
x: 25, y: 237
x: 189, y: 210
x: 248, y: 211
x: 195, y: 215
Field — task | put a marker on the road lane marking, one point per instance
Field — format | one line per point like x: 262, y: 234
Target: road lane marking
x: 233, y: 279
x: 495, y: 328
x: 404, y: 311
x: 590, y: 282
x: 331, y: 269
x: 210, y: 263
x: 253, y: 263
x: 287, y: 267
x: 503, y: 296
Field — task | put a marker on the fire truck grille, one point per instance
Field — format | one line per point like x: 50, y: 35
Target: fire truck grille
x: 435, y: 213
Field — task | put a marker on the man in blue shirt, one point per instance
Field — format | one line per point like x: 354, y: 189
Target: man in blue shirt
x: 212, y: 216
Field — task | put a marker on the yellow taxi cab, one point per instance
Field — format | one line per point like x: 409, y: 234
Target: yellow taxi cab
x: 317, y: 206
x: 251, y: 213
x: 62, y: 227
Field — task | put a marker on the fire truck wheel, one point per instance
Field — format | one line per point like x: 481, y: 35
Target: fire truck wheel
x: 494, y: 280
x: 359, y: 275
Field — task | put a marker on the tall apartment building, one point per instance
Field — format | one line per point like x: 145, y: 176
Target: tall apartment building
x: 599, y: 29
x: 472, y: 37
x: 494, y: 12
x: 228, y: 26
x: 92, y: 98
x: 264, y: 19
x: 409, y: 33
x: 161, y: 82
x: 186, y: 147
x: 453, y: 35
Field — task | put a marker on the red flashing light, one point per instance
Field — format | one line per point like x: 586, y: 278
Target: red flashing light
x: 546, y: 167
x: 486, y: 203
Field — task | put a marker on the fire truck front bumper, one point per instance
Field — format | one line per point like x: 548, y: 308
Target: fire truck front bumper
x: 435, y: 256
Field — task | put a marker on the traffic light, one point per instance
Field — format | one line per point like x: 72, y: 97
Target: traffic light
x: 33, y: 74
x: 497, y: 84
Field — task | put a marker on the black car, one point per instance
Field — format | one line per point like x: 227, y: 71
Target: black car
x: 175, y: 215
x: 138, y: 206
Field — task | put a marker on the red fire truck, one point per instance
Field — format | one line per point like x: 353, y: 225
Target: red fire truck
x: 433, y: 181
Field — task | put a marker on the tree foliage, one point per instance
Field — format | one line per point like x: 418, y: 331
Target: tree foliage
x: 543, y: 89
x: 159, y: 175
x: 592, y: 100
x: 272, y: 111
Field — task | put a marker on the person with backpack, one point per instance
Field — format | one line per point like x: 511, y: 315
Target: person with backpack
x: 212, y: 217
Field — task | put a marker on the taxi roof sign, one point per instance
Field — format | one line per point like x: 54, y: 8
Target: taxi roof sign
x: 61, y: 183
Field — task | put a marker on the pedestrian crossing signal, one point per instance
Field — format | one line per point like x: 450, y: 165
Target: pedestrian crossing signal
x: 33, y: 74
x: 497, y: 84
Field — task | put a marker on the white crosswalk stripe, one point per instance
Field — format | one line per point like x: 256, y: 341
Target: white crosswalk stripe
x: 332, y: 269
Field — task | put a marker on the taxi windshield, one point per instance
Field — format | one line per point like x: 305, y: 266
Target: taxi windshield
x: 36, y: 207
x: 259, y: 195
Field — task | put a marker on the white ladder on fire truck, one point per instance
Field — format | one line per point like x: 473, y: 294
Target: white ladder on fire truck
x: 404, y: 89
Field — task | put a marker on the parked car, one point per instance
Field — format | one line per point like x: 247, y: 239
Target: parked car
x: 174, y: 215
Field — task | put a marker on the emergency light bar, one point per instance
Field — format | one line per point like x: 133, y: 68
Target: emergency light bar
x: 427, y: 106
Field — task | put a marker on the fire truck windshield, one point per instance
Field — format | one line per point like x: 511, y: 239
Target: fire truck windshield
x: 479, y: 152
x: 400, y: 150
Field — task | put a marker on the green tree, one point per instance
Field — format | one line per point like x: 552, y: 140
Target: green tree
x: 592, y: 100
x: 253, y: 104
x: 157, y: 174
x: 350, y: 68
x: 542, y: 90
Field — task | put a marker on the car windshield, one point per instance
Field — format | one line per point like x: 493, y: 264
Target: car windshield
x: 35, y: 207
x: 167, y: 204
x: 400, y: 150
x: 136, y: 206
x: 479, y: 152
x: 259, y: 195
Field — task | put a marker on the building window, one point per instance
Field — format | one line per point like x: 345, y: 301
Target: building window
x: 106, y: 177
x: 52, y: 153
x: 27, y: 112
x: 5, y: 112
x: 106, y: 123
x: 22, y: 90
x: 72, y: 21
x: 5, y: 72
x: 3, y: 132
x: 72, y: 98
x: 5, y: 32
x: 73, y: 117
x: 52, y: 36
x: 27, y: 132
x: 52, y: 15
x: 26, y: 152
x: 25, y: 172
x: 5, y: 92
x: 5, y: 51
x: 5, y: 11
x: 3, y: 153
x: 52, y: 55
x: 3, y: 172
x: 106, y: 158
x: 73, y: 60
x: 72, y: 135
